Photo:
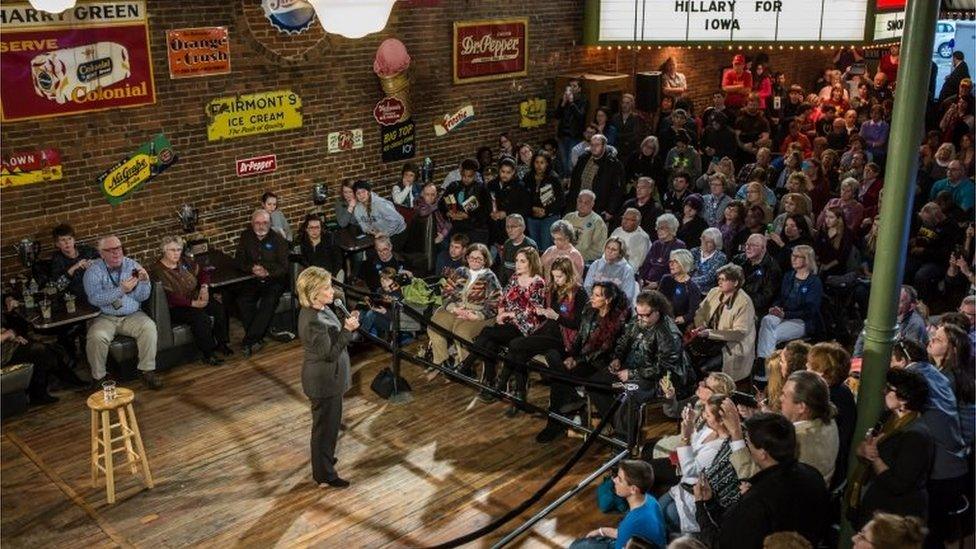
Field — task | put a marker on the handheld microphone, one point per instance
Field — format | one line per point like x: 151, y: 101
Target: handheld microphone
x: 342, y: 307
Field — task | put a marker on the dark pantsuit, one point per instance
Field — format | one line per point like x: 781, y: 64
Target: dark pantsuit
x: 206, y: 333
x: 326, y: 419
x: 257, y: 302
x: 521, y: 350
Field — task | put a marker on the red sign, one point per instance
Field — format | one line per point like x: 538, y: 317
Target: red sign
x: 92, y: 57
x: 24, y: 168
x: 247, y: 167
x: 486, y: 50
x: 891, y: 4
x: 388, y: 111
x: 198, y: 52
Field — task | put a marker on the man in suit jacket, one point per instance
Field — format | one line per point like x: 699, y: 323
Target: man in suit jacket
x: 959, y: 71
x: 325, y: 368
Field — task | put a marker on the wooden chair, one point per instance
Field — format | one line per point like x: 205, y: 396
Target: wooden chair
x: 103, y: 444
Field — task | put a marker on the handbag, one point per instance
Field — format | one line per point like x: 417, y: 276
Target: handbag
x: 384, y: 385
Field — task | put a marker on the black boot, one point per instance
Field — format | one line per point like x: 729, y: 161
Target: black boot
x: 520, y: 394
x: 501, y: 384
x: 552, y: 431
x: 467, y: 366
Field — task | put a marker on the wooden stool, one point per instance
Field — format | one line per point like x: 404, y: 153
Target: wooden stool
x: 103, y: 451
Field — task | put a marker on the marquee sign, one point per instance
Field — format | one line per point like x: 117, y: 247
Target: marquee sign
x: 730, y: 21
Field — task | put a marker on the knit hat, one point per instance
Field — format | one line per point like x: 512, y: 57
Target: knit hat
x: 695, y: 201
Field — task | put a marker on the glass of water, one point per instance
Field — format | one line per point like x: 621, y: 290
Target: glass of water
x: 108, y: 390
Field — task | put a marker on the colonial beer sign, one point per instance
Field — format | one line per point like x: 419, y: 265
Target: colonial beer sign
x: 131, y: 173
x: 24, y: 168
x: 487, y: 50
x: 92, y: 57
x: 252, y: 114
x: 198, y: 52
x: 256, y: 165
x: 745, y: 21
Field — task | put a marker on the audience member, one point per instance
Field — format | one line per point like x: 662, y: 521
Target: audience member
x: 263, y: 254
x: 633, y: 482
x: 637, y: 240
x: 590, y: 228
x: 118, y: 285
x: 726, y: 316
x: 613, y: 267
x: 279, y: 223
x: 654, y: 263
x: 563, y: 240
x: 761, y: 273
x: 680, y: 289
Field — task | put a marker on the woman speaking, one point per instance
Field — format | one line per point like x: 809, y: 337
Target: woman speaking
x: 325, y: 369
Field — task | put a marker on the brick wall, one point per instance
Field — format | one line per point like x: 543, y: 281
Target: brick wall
x: 334, y: 77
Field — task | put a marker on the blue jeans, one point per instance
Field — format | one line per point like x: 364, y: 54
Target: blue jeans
x: 566, y: 145
x: 670, y: 510
x: 375, y: 323
x: 598, y: 542
x: 539, y: 231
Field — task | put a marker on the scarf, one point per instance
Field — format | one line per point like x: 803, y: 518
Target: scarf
x: 863, y: 471
x: 443, y: 226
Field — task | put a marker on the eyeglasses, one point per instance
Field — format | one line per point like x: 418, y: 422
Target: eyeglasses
x: 476, y: 258
x: 645, y: 315
x: 115, y: 250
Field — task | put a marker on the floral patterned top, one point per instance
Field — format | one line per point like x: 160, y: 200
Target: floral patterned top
x: 524, y: 302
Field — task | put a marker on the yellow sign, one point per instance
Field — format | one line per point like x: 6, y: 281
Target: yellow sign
x: 128, y: 175
x: 533, y: 113
x: 252, y: 114
x: 24, y: 168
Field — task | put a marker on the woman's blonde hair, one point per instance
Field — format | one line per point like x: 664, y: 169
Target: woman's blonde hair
x: 310, y: 282
x: 810, y: 255
x: 774, y: 380
x: 897, y: 532
x: 565, y: 266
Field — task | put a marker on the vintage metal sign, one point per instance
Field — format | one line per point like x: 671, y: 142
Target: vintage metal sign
x: 24, y: 168
x: 398, y: 141
x: 487, y: 50
x: 92, y: 57
x: 532, y: 113
x: 256, y: 165
x: 252, y: 114
x: 345, y: 140
x: 130, y: 174
x: 388, y: 111
x: 289, y: 16
x: 453, y: 121
x: 198, y: 52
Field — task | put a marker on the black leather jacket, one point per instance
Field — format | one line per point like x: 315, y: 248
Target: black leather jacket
x: 649, y: 352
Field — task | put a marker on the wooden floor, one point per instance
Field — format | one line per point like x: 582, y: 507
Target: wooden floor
x: 228, y: 447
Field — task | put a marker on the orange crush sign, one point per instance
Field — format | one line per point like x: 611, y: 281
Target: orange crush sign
x: 198, y: 52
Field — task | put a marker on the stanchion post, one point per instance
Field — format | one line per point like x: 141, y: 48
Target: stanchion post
x: 398, y: 394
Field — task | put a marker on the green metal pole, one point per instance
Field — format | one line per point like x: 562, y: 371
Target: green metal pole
x: 907, y: 125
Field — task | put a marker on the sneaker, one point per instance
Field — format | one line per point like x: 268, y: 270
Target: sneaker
x: 151, y: 380
x: 550, y: 433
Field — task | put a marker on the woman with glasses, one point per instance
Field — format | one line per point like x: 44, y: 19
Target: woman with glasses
x: 894, y: 460
x: 891, y: 532
x: 726, y: 318
x: 563, y: 245
x: 707, y: 258
x: 796, y: 313
x: 190, y: 302
x: 470, y: 295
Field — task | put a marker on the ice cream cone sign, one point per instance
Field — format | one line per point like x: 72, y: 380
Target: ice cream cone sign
x: 390, y: 65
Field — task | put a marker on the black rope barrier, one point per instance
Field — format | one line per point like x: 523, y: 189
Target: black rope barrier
x: 531, y: 500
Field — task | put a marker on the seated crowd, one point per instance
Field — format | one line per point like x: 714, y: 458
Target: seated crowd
x: 685, y: 253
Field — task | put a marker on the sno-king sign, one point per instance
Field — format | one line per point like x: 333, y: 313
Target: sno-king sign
x: 452, y: 121
x: 388, y: 111
x: 247, y: 167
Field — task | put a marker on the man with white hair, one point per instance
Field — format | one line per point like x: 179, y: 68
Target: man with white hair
x: 262, y: 253
x: 117, y: 285
x: 762, y: 274
x: 636, y: 239
x: 590, y: 227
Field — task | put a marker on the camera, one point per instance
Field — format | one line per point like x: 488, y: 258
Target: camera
x: 402, y: 279
x: 744, y: 399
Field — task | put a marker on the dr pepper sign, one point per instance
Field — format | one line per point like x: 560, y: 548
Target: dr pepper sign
x: 491, y: 49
